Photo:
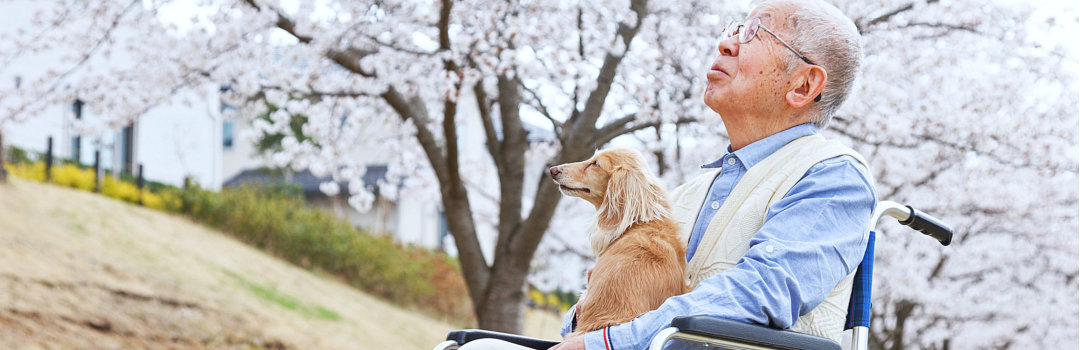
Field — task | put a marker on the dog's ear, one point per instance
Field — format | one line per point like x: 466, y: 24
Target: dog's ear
x: 631, y: 196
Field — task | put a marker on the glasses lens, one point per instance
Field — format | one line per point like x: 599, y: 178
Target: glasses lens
x: 749, y: 30
x: 731, y: 30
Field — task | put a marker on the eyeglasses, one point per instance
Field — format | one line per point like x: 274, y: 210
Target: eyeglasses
x: 747, y: 35
x: 752, y: 25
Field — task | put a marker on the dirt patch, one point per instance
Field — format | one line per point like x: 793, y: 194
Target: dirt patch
x: 70, y: 314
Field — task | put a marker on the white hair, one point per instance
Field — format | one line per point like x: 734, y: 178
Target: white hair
x: 826, y: 36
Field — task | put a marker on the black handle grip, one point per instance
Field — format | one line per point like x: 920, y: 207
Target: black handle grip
x: 929, y: 226
x: 466, y: 335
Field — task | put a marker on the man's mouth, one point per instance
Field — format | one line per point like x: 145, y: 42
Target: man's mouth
x: 571, y: 189
x: 716, y: 72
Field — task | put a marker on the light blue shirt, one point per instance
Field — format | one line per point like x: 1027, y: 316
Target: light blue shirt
x: 811, y: 240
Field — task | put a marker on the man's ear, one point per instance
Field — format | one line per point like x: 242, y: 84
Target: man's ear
x: 810, y: 82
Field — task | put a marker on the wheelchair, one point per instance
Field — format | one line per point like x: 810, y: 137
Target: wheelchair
x: 711, y: 332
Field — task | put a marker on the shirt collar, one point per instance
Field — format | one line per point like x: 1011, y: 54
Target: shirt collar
x: 759, y: 150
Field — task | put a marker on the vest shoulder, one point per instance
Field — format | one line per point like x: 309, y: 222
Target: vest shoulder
x: 704, y: 177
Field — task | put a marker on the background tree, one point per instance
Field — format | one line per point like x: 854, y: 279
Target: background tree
x: 966, y: 108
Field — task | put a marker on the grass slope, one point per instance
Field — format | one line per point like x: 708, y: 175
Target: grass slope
x: 78, y: 270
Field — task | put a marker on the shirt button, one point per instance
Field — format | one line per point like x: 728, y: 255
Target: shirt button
x: 715, y: 205
x: 769, y: 249
x: 731, y: 161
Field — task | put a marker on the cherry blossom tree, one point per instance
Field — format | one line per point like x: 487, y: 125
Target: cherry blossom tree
x: 966, y: 109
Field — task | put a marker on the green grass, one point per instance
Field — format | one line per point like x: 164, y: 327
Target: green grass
x: 79, y: 228
x: 284, y: 300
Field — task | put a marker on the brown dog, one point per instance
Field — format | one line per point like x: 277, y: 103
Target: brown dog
x: 640, y: 258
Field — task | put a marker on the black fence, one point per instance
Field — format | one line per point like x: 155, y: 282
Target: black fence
x: 16, y: 155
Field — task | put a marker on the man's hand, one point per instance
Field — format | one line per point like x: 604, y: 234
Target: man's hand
x: 575, y: 342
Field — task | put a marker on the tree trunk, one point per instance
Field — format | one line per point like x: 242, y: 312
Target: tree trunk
x: 904, y: 310
x: 504, y: 301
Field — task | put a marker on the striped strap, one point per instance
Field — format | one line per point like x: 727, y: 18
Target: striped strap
x: 859, y: 306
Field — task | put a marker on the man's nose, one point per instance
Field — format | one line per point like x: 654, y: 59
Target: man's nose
x: 554, y: 171
x: 729, y: 46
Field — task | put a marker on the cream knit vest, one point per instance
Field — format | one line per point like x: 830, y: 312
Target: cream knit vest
x: 727, y: 238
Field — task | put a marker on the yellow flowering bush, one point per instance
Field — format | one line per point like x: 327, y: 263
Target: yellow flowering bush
x: 73, y: 176
x: 31, y: 171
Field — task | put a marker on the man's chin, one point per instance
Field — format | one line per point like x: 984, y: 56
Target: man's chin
x: 715, y: 99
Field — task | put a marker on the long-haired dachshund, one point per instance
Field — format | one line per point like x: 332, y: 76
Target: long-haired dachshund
x: 640, y: 258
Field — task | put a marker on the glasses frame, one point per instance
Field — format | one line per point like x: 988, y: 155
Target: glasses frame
x: 755, y: 23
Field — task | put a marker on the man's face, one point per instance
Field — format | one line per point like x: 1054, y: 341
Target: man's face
x: 749, y: 78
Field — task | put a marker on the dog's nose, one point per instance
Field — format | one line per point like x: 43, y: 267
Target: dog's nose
x: 554, y: 171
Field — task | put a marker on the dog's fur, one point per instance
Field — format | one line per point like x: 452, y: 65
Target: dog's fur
x: 640, y: 258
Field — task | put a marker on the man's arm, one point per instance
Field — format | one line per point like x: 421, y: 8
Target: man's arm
x: 811, y: 240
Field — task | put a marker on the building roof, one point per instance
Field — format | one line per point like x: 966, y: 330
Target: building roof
x: 305, y: 179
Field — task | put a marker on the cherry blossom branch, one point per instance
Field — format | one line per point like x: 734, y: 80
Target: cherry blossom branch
x: 493, y: 144
x: 37, y: 38
x: 543, y: 109
x: 950, y: 144
x: 378, y: 42
x: 605, y: 137
x: 940, y: 25
x: 567, y: 248
x: 594, y: 103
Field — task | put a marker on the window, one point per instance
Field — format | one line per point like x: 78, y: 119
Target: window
x: 76, y: 108
x: 227, y: 134
x: 227, y: 126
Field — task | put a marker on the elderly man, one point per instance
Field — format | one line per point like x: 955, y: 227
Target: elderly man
x: 777, y: 225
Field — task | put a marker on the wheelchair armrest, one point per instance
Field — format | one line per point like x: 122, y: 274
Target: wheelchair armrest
x: 718, y: 328
x: 466, y: 335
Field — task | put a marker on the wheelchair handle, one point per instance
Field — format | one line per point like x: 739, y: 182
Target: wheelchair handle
x: 929, y: 226
x: 915, y: 219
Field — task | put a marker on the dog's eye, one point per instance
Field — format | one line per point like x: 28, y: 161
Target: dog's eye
x: 595, y: 163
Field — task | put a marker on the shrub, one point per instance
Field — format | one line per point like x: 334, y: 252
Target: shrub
x: 72, y: 176
x: 284, y: 226
x: 16, y: 155
x: 32, y: 171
